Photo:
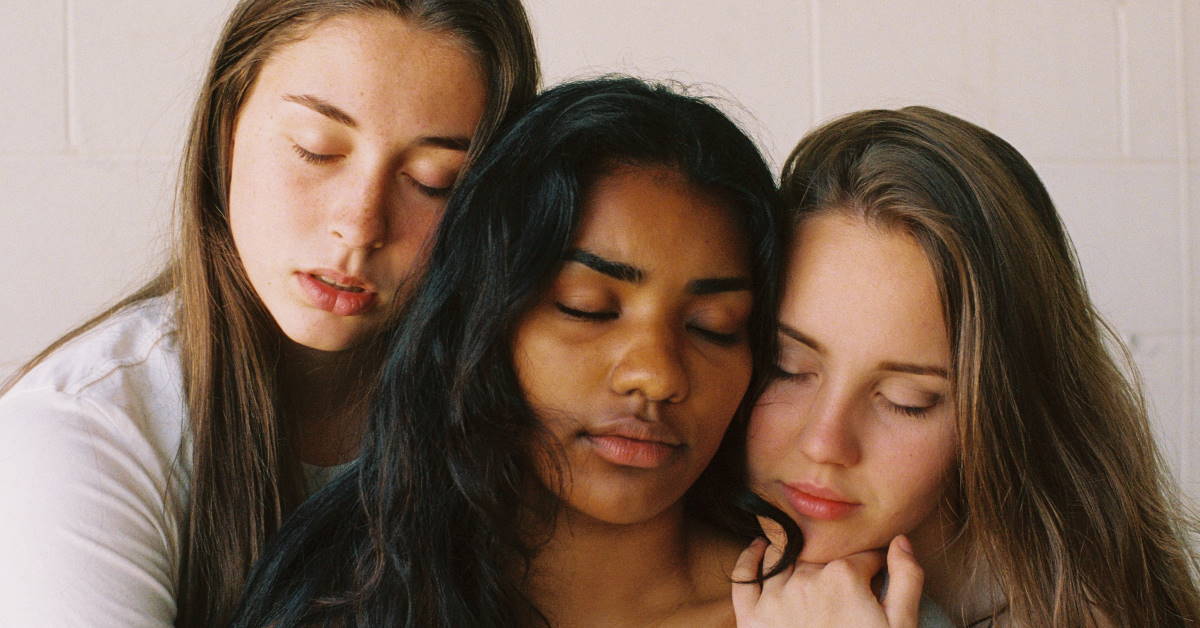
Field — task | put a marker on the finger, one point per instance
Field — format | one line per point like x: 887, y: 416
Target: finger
x: 860, y: 567
x: 902, y: 602
x: 773, y: 531
x: 774, y: 553
x: 746, y: 590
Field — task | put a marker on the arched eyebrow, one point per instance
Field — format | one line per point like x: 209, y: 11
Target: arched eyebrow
x: 323, y: 107
x: 337, y: 114
x: 795, y: 334
x: 915, y: 369
x: 897, y: 367
x: 616, y: 270
x: 635, y: 275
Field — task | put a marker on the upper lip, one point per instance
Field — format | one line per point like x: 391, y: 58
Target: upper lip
x: 819, y: 491
x: 341, y: 278
x: 634, y: 428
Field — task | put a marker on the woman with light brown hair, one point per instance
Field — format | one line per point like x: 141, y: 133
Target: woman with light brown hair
x: 947, y: 391
x: 146, y: 457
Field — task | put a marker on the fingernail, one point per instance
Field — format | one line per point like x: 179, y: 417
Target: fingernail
x: 904, y: 543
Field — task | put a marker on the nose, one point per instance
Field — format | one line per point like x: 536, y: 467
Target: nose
x: 829, y: 434
x: 652, y: 366
x: 359, y: 220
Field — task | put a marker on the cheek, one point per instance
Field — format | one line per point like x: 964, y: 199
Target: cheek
x: 270, y: 200
x: 767, y: 439
x: 551, y: 370
x: 719, y: 388
x: 917, y: 471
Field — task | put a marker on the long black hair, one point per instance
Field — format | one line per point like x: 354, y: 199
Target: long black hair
x: 427, y: 528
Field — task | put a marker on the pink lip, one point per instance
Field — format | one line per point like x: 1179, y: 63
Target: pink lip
x: 332, y: 299
x: 817, y: 502
x: 632, y: 442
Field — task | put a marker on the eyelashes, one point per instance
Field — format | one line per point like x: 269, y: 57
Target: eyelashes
x: 320, y: 159
x: 311, y: 157
x: 715, y: 337
x: 913, y: 411
x: 781, y: 374
x: 430, y: 191
x: 586, y: 315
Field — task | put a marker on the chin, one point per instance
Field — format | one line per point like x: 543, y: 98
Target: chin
x: 324, y: 335
x: 826, y: 549
x: 622, y: 509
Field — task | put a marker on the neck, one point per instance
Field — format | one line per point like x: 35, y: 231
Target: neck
x: 322, y: 398
x: 593, y: 573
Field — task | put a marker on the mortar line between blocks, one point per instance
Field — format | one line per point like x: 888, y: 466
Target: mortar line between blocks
x: 814, y: 29
x: 69, y: 57
x: 1186, y: 245
x: 1122, y: 23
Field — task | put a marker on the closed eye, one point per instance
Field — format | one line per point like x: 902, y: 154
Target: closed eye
x: 429, y: 190
x: 913, y: 411
x: 311, y: 157
x: 716, y: 337
x: 586, y: 315
x: 786, y: 375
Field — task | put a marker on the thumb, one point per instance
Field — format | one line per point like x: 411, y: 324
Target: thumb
x: 902, y: 602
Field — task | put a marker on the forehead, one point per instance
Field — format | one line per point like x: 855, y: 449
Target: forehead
x: 856, y: 286
x: 651, y: 216
x: 374, y: 63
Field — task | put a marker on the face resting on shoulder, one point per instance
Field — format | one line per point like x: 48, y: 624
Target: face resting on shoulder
x: 636, y: 357
x: 855, y: 439
x: 343, y: 155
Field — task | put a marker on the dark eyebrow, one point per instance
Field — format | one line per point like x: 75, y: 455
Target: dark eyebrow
x: 718, y: 284
x: 452, y: 143
x: 915, y: 369
x: 323, y: 107
x: 616, y: 270
x: 331, y: 111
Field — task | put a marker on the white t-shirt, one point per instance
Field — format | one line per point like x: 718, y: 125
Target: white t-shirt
x: 93, y: 478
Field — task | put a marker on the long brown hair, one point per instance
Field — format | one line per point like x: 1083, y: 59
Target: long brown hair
x: 1061, y: 493
x: 243, y: 480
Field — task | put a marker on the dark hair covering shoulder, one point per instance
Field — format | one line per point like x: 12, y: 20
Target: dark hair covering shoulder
x: 424, y: 530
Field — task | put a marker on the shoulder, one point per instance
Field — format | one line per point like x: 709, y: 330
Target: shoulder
x: 141, y: 334
x: 122, y: 378
x: 90, y: 477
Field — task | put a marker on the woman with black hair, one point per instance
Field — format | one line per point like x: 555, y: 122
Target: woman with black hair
x: 557, y: 438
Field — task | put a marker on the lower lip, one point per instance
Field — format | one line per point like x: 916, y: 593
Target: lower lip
x: 340, y: 302
x: 629, y: 452
x: 807, y: 505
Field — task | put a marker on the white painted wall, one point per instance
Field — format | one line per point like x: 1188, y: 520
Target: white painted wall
x: 1103, y: 96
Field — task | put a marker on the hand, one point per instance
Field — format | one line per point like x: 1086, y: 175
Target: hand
x: 835, y: 594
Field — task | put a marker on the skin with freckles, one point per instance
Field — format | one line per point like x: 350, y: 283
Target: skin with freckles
x: 856, y: 438
x: 343, y: 156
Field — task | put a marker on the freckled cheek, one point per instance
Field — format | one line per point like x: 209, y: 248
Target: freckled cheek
x: 414, y: 229
x: 277, y: 201
x: 915, y: 478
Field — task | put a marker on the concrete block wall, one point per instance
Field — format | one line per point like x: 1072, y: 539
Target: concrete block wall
x: 1103, y: 96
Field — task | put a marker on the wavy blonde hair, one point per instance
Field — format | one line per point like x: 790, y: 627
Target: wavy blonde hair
x: 1061, y: 492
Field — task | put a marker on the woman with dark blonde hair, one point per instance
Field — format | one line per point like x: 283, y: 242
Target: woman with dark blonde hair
x: 146, y: 457
x: 946, y: 390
